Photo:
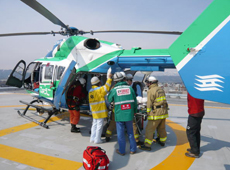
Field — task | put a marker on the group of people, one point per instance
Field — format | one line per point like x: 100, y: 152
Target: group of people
x: 122, y: 96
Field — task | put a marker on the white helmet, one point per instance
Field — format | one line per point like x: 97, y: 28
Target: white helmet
x: 95, y: 80
x: 152, y: 79
x: 129, y: 77
x: 82, y: 81
x: 123, y: 73
x: 118, y: 76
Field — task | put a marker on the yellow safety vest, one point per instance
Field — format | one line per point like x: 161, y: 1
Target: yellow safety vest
x: 97, y: 100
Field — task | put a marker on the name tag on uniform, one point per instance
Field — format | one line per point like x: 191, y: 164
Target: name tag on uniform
x: 125, y: 106
x: 121, y: 92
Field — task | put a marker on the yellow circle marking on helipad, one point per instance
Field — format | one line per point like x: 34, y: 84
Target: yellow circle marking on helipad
x: 35, y: 159
x: 177, y: 159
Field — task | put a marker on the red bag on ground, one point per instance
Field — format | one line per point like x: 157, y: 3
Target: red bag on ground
x: 95, y: 158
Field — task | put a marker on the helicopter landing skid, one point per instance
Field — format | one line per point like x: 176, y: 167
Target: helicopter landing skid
x: 39, y: 109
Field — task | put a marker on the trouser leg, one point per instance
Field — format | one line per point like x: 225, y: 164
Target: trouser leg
x: 74, y: 116
x: 77, y: 117
x: 161, y: 131
x: 121, y: 136
x: 135, y: 131
x: 149, y: 130
x: 93, y: 130
x: 99, y: 130
x: 193, y: 133
x: 129, y: 127
x: 198, y: 132
x: 71, y: 116
x: 111, y: 128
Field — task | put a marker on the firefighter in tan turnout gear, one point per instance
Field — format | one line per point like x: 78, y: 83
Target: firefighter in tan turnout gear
x: 157, y: 110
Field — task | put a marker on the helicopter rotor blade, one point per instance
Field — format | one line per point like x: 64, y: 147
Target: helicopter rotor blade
x: 29, y: 33
x: 45, y: 12
x: 92, y: 32
x: 134, y: 31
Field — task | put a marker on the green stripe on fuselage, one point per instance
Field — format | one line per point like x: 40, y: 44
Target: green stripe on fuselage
x: 68, y: 46
x: 216, y: 12
x: 65, y: 49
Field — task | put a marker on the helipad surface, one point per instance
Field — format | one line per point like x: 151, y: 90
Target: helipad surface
x: 27, y: 146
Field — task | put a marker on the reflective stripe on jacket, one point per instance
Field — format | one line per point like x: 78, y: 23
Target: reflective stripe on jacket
x: 97, y: 100
x: 157, y: 106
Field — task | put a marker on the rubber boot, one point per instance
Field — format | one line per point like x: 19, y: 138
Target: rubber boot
x: 139, y: 143
x: 107, y: 139
x: 146, y: 148
x: 74, y: 129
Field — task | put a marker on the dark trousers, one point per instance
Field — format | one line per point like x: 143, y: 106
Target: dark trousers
x: 193, y: 133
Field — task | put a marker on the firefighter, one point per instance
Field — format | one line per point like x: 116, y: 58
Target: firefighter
x: 111, y: 127
x: 75, y: 95
x: 98, y: 106
x: 157, y: 110
x: 137, y: 89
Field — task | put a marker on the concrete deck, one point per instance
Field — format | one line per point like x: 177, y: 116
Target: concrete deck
x: 27, y: 146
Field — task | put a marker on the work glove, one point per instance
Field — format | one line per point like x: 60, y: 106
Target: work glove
x: 109, y: 75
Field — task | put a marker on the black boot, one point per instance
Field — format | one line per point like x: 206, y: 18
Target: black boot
x: 107, y: 139
x: 139, y: 143
x: 161, y: 143
x: 146, y: 148
x: 74, y: 129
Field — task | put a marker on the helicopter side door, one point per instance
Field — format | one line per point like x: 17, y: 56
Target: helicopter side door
x: 59, y: 99
x: 17, y: 76
x: 31, y: 80
x: 46, y: 86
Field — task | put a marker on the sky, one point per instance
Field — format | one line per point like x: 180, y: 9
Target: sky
x: 154, y: 15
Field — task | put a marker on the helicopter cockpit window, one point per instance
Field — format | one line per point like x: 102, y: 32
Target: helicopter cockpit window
x: 49, y: 72
x: 92, y: 44
x: 60, y: 71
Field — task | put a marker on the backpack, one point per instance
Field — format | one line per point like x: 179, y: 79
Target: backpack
x: 95, y: 158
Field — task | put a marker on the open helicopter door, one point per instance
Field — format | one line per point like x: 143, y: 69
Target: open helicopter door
x: 17, y: 76
x: 59, y: 98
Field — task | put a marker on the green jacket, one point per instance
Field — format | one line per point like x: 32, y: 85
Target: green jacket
x: 125, y: 102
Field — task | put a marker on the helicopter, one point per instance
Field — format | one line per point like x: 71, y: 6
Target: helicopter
x: 48, y: 78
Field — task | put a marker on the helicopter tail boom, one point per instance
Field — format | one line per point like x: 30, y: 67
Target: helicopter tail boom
x: 201, y: 54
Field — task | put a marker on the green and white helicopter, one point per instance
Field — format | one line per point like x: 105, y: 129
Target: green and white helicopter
x: 200, y: 55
